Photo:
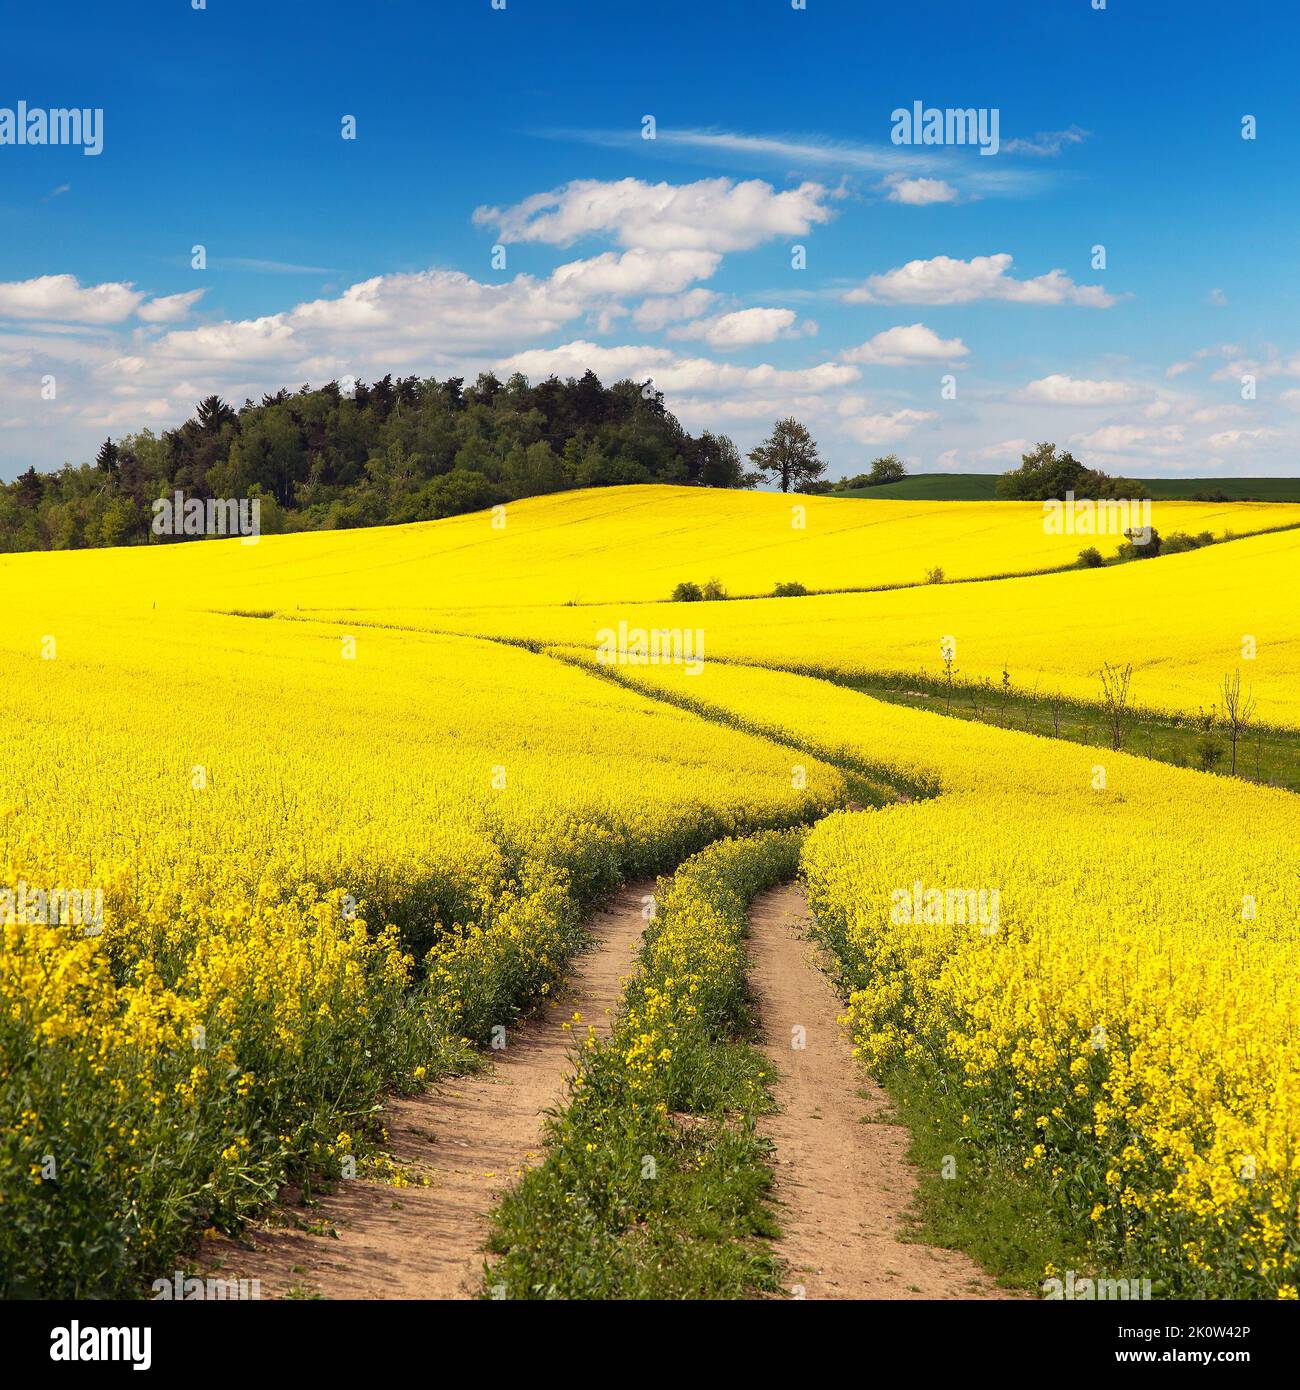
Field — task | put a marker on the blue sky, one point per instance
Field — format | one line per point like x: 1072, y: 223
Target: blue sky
x: 522, y: 127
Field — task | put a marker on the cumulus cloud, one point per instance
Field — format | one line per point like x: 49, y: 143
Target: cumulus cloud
x: 1004, y: 449
x: 1119, y: 438
x: 660, y: 310
x: 1241, y: 439
x: 712, y: 214
x: 744, y: 328
x: 1256, y: 367
x: 169, y: 308
x: 945, y: 280
x: 63, y: 299
x: 912, y: 343
x: 402, y: 321
x: 635, y: 272
x: 672, y: 372
x: 1068, y: 390
x: 919, y: 192
x: 886, y: 427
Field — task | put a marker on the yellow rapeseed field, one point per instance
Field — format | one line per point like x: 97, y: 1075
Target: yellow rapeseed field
x: 1123, y: 1011
x: 320, y: 858
x: 325, y: 830
x: 1183, y: 621
x: 609, y: 545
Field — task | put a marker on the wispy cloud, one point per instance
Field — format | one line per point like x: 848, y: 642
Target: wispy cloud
x: 822, y: 154
x: 1047, y: 143
x: 268, y: 267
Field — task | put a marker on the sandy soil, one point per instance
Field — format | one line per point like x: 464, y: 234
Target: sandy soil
x: 470, y: 1137
x: 844, y: 1185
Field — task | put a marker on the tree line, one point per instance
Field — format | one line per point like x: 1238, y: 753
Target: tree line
x: 417, y: 449
x: 397, y: 450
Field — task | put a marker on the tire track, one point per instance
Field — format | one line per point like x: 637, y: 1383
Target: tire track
x: 844, y: 1184
x: 468, y: 1137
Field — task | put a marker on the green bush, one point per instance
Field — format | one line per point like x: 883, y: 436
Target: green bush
x: 686, y: 592
x: 1209, y: 752
x: 792, y: 590
x: 1090, y: 557
x: 1148, y: 550
x: 1178, y: 541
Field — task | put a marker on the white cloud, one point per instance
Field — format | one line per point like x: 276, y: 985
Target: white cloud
x: 674, y: 373
x: 905, y: 344
x: 1239, y: 439
x: 887, y: 427
x: 61, y: 298
x: 1119, y: 438
x: 1260, y: 369
x: 1067, y: 390
x: 399, y: 322
x: 920, y: 192
x: 945, y: 280
x: 653, y: 314
x: 1208, y: 414
x: 711, y: 214
x: 635, y: 272
x: 744, y: 328
x: 1004, y: 449
x: 170, y: 308
x: 1046, y: 142
x: 1218, y: 298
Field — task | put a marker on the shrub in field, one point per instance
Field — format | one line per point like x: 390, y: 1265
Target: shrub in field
x: 1178, y: 541
x: 687, y: 592
x: 1091, y: 558
x: 791, y: 590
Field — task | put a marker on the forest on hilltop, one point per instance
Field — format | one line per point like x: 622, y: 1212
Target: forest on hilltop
x: 398, y: 450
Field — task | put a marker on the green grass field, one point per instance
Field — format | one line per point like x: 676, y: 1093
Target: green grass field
x: 980, y: 487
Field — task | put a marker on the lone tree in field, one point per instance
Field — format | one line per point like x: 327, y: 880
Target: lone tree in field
x: 1114, y: 694
x: 1238, y: 711
x: 789, y: 453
